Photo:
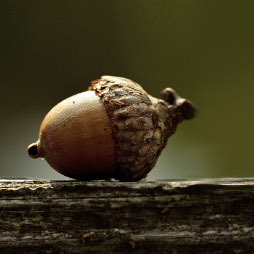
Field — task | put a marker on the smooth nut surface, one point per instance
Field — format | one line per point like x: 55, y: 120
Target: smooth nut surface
x: 76, y: 137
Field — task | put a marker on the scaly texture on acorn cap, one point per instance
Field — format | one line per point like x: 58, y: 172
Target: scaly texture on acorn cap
x: 141, y: 124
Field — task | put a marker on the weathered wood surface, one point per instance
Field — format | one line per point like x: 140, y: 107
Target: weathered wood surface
x: 206, y: 216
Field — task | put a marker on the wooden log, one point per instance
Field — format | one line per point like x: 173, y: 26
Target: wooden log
x: 203, y: 216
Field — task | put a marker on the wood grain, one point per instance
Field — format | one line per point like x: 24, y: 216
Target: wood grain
x: 202, y: 216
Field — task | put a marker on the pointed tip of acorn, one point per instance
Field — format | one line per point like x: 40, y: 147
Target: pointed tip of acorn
x: 33, y: 150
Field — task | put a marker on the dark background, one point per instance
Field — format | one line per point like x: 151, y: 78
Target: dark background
x: 50, y: 50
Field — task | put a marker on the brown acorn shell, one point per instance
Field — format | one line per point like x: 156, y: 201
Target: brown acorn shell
x: 115, y: 130
x: 76, y: 138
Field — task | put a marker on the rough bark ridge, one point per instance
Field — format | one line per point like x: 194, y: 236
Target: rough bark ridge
x: 206, y: 216
x: 140, y: 123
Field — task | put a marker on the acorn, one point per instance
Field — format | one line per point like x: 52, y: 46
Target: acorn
x: 113, y: 130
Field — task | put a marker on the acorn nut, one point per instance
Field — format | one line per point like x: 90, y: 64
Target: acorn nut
x: 113, y: 130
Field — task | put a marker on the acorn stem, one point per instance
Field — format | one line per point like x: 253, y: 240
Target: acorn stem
x: 186, y: 109
x: 33, y: 150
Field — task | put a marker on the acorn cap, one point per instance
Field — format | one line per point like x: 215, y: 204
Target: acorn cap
x: 141, y: 124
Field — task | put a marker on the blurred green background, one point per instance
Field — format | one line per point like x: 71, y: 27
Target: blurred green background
x: 52, y: 49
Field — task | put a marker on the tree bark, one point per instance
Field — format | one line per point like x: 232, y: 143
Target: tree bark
x: 202, y: 216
